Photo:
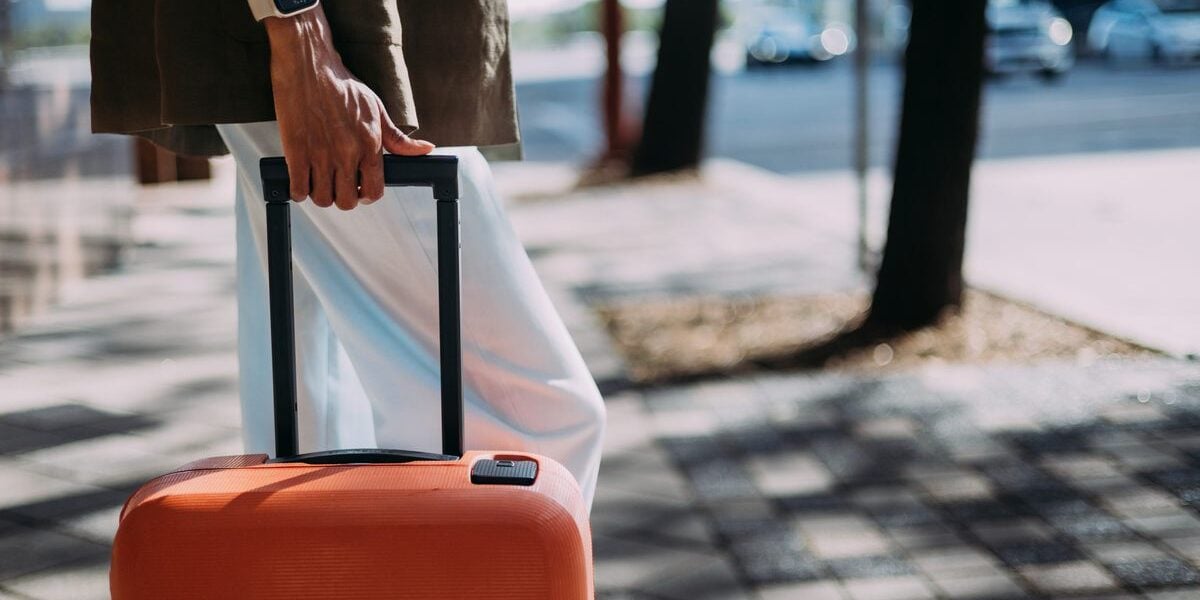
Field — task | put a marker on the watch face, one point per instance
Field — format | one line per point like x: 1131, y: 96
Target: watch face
x: 290, y: 6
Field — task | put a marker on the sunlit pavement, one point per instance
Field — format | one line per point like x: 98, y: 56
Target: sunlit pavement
x: 1000, y: 481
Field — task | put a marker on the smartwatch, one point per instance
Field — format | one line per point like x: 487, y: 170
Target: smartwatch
x: 280, y: 8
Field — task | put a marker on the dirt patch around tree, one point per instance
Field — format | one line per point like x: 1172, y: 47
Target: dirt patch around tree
x: 693, y: 337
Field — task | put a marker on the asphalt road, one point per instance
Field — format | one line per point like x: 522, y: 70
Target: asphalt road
x: 796, y: 119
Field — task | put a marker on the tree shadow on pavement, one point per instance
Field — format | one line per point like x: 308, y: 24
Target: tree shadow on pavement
x: 874, y: 487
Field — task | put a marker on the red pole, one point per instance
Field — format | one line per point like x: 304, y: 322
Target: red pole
x: 612, y: 27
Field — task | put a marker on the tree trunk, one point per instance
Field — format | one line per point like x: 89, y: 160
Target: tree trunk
x: 920, y: 275
x: 673, y: 128
x: 6, y: 40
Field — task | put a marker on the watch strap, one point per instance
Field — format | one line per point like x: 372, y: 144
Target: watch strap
x: 262, y: 9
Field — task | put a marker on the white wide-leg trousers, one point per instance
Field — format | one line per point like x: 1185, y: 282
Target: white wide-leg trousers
x: 367, y: 328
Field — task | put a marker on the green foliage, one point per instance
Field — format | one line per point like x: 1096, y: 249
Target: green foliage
x: 51, y: 35
x: 559, y: 26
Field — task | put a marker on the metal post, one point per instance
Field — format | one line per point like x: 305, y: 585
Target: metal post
x: 862, y: 140
x: 612, y: 26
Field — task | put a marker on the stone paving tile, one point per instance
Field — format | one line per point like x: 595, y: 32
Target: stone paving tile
x: 842, y: 537
x: 999, y: 533
x: 759, y: 439
x: 1187, y: 547
x: 1093, y: 527
x: 651, y: 517
x: 1014, y: 474
x: 28, y: 550
x: 602, y: 594
x: 990, y: 585
x: 767, y: 559
x: 14, y: 440
x: 886, y: 428
x: 1181, y: 524
x: 1183, y: 483
x: 1079, y: 577
x: 889, y: 588
x: 711, y: 579
x: 1133, y: 413
x: 1171, y: 595
x: 975, y: 511
x: 624, y: 564
x: 1143, y: 457
x: 105, y: 460
x: 1115, y: 552
x: 904, y: 515
x: 850, y: 462
x: 99, y: 526
x: 955, y: 561
x: 1079, y: 467
x: 1139, y: 501
x: 1036, y: 553
x: 722, y: 479
x: 21, y: 484
x: 864, y: 567
x: 692, y: 450
x: 812, y: 505
x: 963, y: 487
x: 81, y: 581
x: 815, y: 590
x: 875, y: 496
x: 680, y: 423
x: 789, y: 473
x: 1052, y: 505
x: 737, y: 519
x: 922, y: 537
x: 1152, y: 573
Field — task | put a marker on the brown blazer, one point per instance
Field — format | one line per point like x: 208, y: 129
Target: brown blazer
x: 169, y: 69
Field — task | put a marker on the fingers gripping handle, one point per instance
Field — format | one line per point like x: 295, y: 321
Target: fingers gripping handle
x: 437, y: 172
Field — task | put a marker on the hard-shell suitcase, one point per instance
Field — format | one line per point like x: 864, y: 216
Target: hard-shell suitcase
x: 358, y: 524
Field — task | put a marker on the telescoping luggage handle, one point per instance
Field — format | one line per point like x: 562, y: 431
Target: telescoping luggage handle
x: 437, y: 172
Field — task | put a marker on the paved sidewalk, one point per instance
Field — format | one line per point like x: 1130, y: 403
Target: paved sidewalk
x: 1005, y: 482
x: 1105, y: 239
x: 1053, y: 480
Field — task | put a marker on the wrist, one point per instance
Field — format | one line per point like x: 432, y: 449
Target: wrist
x: 300, y: 41
x: 296, y: 28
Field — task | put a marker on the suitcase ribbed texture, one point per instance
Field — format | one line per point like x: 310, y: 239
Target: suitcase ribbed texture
x: 296, y: 531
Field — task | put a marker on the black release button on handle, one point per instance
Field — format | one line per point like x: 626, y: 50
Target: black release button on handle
x: 504, y: 472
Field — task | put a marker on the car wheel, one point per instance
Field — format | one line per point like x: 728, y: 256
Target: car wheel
x: 1051, y: 75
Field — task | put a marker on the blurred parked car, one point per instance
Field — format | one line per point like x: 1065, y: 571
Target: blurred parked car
x: 1160, y: 30
x: 788, y: 33
x: 1028, y: 36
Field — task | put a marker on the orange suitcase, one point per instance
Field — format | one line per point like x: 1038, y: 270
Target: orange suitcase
x: 358, y: 524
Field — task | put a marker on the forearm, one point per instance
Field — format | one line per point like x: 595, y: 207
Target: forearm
x: 301, y: 44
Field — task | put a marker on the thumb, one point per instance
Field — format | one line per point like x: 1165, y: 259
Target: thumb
x: 396, y: 142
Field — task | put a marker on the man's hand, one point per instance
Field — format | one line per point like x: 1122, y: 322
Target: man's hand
x: 334, y: 128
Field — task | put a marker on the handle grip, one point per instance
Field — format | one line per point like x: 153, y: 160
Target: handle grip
x: 437, y: 172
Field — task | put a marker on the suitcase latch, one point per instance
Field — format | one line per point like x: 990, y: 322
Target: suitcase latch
x: 504, y: 472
